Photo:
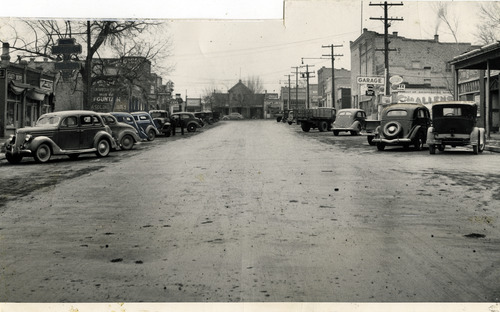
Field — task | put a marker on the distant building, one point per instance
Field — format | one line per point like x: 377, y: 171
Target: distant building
x: 298, y: 97
x: 342, y: 81
x: 422, y: 65
x: 193, y: 105
x: 239, y: 99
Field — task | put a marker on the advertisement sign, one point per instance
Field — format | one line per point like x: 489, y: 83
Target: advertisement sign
x: 371, y: 80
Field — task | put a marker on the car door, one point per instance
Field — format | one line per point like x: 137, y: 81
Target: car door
x: 89, y: 126
x: 68, y: 136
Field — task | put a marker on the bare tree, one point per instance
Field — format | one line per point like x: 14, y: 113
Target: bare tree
x: 489, y: 29
x: 98, y: 37
x: 254, y: 84
x: 444, y: 16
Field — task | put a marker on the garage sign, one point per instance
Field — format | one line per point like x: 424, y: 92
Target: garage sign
x: 371, y: 80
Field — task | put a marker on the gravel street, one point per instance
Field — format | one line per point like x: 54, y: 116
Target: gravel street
x: 252, y: 211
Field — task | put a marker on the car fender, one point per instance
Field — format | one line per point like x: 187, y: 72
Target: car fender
x: 355, y: 125
x: 103, y: 134
x: 475, y: 134
x: 36, y: 142
x: 150, y: 127
x: 133, y: 133
x: 413, y: 132
x: 430, y: 136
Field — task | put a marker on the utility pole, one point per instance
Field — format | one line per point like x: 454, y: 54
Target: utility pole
x: 386, y: 49
x: 332, y: 55
x: 296, y: 86
x: 289, y: 93
x: 307, y: 89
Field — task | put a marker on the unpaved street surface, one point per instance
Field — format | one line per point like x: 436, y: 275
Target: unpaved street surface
x: 252, y: 211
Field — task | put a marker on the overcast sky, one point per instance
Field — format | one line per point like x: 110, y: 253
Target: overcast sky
x: 218, y: 42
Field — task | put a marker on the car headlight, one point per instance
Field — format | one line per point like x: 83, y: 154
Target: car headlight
x: 28, y: 137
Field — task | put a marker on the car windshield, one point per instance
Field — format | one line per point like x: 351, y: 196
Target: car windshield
x: 397, y: 112
x: 453, y: 112
x: 156, y: 114
x: 45, y: 121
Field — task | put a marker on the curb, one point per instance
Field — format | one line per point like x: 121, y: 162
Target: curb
x: 491, y: 148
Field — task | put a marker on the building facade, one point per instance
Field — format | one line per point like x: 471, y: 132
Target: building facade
x: 342, y: 81
x: 426, y: 75
x: 26, y: 92
x: 296, y: 98
x: 239, y: 99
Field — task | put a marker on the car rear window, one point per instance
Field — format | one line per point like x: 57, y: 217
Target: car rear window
x: 397, y: 112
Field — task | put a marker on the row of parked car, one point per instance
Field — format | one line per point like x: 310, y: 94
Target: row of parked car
x: 452, y: 123
x: 77, y: 132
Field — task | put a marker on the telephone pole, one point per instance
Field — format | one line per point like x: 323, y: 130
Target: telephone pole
x: 386, y: 49
x: 332, y: 55
x: 307, y: 89
x: 289, y: 93
x: 296, y: 86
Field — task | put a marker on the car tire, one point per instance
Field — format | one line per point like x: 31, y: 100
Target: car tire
x: 418, y: 143
x: 432, y: 149
x: 191, y: 127
x: 42, y: 153
x: 441, y: 147
x: 389, y: 131
x: 127, y: 142
x: 480, y: 146
x: 103, y: 148
x: 335, y: 132
x: 305, y: 127
x: 322, y: 126
x: 13, y: 159
x: 151, y: 135
x: 370, y: 140
x: 475, y: 149
x: 380, y: 146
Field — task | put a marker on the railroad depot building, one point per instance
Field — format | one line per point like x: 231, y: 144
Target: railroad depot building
x: 423, y: 65
x: 26, y: 92
x: 240, y: 99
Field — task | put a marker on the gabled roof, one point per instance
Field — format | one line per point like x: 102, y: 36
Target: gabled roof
x: 240, y: 85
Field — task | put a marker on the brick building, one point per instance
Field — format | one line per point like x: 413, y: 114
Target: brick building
x: 423, y: 65
x: 298, y: 97
x: 342, y: 81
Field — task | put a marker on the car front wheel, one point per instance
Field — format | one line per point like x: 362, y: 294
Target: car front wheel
x: 418, y: 143
x: 13, y: 159
x: 127, y: 142
x: 103, y: 148
x: 151, y: 135
x: 191, y: 128
x: 42, y: 153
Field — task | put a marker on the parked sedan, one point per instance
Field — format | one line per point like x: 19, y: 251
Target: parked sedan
x: 191, y: 122
x: 454, y: 124
x: 61, y: 133
x: 233, y: 116
x: 147, y: 124
x: 125, y: 135
x: 129, y: 120
x: 351, y: 120
x: 161, y: 119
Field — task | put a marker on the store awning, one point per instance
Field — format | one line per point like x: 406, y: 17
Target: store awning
x: 36, y: 94
x: 18, y: 87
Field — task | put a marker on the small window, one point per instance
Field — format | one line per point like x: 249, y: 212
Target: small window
x: 398, y: 112
x: 86, y: 120
x: 143, y: 117
x: 70, y: 122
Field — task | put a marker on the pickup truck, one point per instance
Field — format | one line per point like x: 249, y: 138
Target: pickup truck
x: 321, y: 118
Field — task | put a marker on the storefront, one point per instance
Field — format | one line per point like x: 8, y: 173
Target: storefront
x: 25, y: 94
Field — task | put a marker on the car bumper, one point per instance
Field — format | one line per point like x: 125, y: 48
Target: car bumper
x: 397, y: 141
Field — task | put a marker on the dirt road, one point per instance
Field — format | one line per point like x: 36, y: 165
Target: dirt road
x: 254, y: 211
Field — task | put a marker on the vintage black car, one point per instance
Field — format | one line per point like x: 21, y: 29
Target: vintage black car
x: 350, y: 120
x: 124, y: 134
x: 454, y: 124
x: 61, y: 133
x: 403, y: 124
x: 191, y: 122
x: 144, y: 120
x: 161, y: 119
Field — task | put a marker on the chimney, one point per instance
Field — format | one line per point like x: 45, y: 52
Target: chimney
x: 5, y: 54
x: 436, y: 38
x: 395, y: 33
x: 365, y: 30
